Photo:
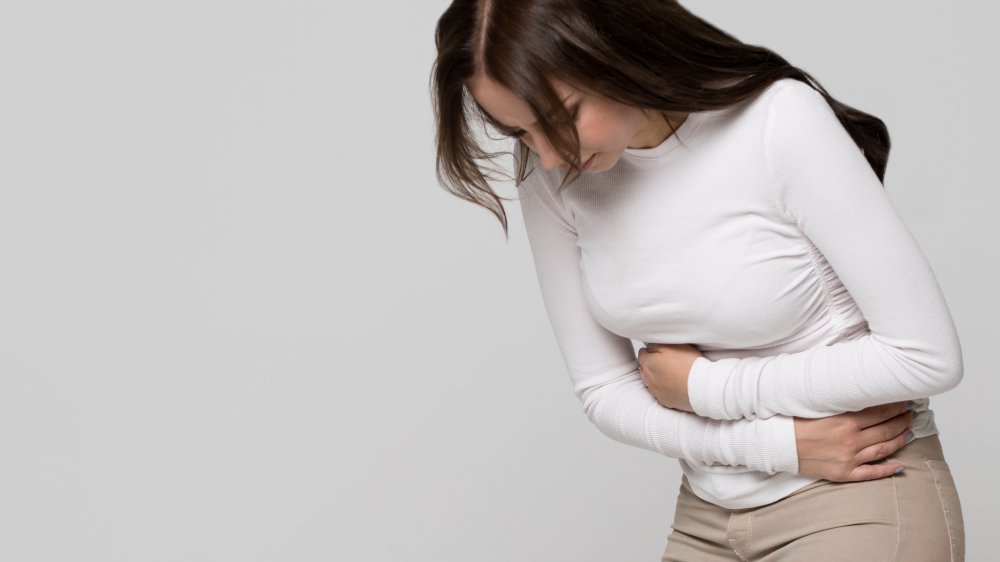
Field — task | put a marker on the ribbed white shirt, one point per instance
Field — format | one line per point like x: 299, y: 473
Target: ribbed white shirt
x: 760, y: 234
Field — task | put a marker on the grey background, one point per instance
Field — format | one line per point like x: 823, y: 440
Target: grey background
x: 239, y: 320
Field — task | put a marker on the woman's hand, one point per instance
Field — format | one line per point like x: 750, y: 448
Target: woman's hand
x: 840, y: 448
x: 664, y: 369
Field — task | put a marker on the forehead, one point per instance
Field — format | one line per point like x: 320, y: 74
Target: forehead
x: 503, y: 105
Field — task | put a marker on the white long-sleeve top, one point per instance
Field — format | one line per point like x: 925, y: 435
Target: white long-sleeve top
x: 760, y: 234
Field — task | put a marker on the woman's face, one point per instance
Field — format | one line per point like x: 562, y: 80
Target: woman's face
x: 605, y: 127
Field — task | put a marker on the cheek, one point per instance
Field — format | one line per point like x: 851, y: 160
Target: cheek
x: 609, y: 130
x: 602, y: 135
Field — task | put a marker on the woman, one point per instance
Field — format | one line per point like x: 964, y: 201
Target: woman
x: 685, y: 189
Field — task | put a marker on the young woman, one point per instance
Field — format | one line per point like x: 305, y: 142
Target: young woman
x: 687, y: 190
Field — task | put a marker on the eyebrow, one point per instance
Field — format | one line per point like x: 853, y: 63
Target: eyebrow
x: 510, y: 131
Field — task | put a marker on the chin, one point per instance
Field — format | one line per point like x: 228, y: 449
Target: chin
x: 603, y: 164
x: 596, y: 164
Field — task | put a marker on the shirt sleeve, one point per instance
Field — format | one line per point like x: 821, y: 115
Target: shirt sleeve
x: 825, y: 185
x: 604, y: 369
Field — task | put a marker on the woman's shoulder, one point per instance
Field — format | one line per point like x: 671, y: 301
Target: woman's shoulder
x: 788, y: 109
x: 539, y: 185
x: 784, y: 99
x: 792, y: 85
x: 792, y: 96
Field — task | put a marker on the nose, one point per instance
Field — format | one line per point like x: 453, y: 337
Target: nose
x: 552, y: 162
x: 549, y: 157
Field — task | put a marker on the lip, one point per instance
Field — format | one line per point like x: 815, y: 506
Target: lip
x: 586, y: 165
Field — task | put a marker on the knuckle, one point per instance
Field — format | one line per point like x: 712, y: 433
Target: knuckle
x: 892, y: 447
x: 883, y: 450
x: 846, y: 462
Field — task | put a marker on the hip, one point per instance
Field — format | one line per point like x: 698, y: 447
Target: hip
x: 915, y: 515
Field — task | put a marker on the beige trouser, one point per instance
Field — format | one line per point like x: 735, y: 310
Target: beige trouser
x: 912, y: 517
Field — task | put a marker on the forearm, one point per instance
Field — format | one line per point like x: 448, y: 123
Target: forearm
x: 625, y: 411
x: 823, y: 381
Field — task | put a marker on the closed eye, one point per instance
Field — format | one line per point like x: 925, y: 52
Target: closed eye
x: 518, y: 133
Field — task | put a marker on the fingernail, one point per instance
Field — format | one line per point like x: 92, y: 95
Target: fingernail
x: 911, y: 405
x: 898, y: 470
x: 910, y: 437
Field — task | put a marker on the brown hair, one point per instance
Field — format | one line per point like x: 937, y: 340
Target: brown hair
x: 651, y: 54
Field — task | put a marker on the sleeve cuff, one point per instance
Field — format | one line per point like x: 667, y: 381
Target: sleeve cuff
x: 706, y: 389
x: 777, y: 444
x: 767, y: 445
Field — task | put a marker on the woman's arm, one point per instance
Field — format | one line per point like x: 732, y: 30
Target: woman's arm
x: 605, y: 376
x: 825, y: 185
x: 603, y: 367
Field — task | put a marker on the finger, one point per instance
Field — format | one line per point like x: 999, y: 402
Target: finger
x: 886, y: 430
x: 874, y: 471
x: 884, y: 449
x: 875, y: 415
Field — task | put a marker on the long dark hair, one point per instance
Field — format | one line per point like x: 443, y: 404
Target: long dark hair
x: 651, y: 54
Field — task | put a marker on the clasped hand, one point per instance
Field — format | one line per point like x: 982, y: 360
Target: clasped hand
x: 664, y: 369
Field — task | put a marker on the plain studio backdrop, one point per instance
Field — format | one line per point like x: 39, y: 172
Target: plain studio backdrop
x: 240, y: 321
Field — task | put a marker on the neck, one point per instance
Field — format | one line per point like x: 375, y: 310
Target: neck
x: 660, y: 128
